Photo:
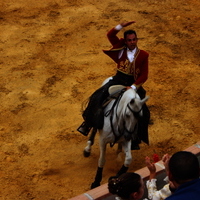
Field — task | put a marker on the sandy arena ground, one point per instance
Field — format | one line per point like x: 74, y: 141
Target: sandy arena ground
x: 51, y: 60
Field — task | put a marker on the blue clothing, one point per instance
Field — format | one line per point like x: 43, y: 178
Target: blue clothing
x: 189, y: 190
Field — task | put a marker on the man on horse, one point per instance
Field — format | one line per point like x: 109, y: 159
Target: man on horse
x: 132, y: 71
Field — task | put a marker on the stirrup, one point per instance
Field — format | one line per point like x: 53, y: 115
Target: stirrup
x: 84, y: 129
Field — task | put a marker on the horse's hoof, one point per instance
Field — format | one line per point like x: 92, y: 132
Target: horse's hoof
x: 86, y: 153
x: 94, y: 185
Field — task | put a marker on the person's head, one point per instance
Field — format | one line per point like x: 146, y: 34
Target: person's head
x: 130, y: 38
x: 127, y: 186
x: 183, y: 166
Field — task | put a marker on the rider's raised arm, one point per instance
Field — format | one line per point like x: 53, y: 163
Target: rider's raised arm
x: 112, y: 35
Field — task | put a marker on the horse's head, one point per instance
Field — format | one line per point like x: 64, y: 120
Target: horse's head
x: 135, y: 106
x: 132, y: 111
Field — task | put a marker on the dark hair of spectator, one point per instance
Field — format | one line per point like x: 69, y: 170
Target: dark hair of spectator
x: 184, y: 166
x: 125, y: 185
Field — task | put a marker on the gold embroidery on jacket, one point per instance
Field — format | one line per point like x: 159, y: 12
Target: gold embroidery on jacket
x: 128, y: 67
x: 125, y: 67
x: 135, y: 71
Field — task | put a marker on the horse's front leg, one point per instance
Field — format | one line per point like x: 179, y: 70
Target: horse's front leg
x: 128, y: 158
x: 90, y: 142
x: 101, y: 164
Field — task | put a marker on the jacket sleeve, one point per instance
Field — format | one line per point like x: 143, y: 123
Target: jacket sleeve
x: 114, y: 40
x: 155, y: 194
x: 117, y: 44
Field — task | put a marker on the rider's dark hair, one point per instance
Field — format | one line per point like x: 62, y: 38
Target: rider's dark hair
x: 128, y: 32
x: 184, y: 166
x: 125, y: 184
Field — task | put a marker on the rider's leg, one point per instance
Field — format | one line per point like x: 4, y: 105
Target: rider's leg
x: 143, y: 123
x: 93, y: 114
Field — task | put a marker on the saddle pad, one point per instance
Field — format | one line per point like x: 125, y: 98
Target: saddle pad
x: 115, y: 88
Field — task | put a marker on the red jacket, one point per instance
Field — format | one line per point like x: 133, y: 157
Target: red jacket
x: 138, y: 68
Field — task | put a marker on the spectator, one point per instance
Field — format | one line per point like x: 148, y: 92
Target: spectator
x: 183, y: 171
x: 129, y: 186
x: 153, y: 193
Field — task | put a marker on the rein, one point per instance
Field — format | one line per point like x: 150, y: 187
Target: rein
x: 136, y: 114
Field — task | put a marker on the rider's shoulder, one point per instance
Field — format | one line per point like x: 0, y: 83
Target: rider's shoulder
x: 143, y: 52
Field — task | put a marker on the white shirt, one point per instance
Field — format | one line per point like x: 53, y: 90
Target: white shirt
x: 131, y: 54
x: 155, y: 194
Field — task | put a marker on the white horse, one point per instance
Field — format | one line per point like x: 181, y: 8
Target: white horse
x: 120, y: 120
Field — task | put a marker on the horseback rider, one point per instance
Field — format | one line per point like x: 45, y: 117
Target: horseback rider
x: 132, y: 70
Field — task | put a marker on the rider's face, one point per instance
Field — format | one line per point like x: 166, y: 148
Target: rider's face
x: 131, y: 41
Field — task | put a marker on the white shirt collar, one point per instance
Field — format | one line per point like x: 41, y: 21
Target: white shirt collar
x: 132, y: 51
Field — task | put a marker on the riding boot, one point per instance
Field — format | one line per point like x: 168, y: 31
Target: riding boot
x: 135, y: 139
x: 84, y: 129
x: 143, y: 123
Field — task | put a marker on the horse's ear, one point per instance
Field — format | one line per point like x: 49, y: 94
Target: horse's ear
x: 145, y: 99
x: 132, y: 101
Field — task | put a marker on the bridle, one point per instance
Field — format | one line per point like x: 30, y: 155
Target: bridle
x: 135, y: 113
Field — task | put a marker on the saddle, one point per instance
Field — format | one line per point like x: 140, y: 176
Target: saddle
x: 114, y: 92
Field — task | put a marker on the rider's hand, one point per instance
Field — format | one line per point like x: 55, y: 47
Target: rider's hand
x: 124, y: 24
